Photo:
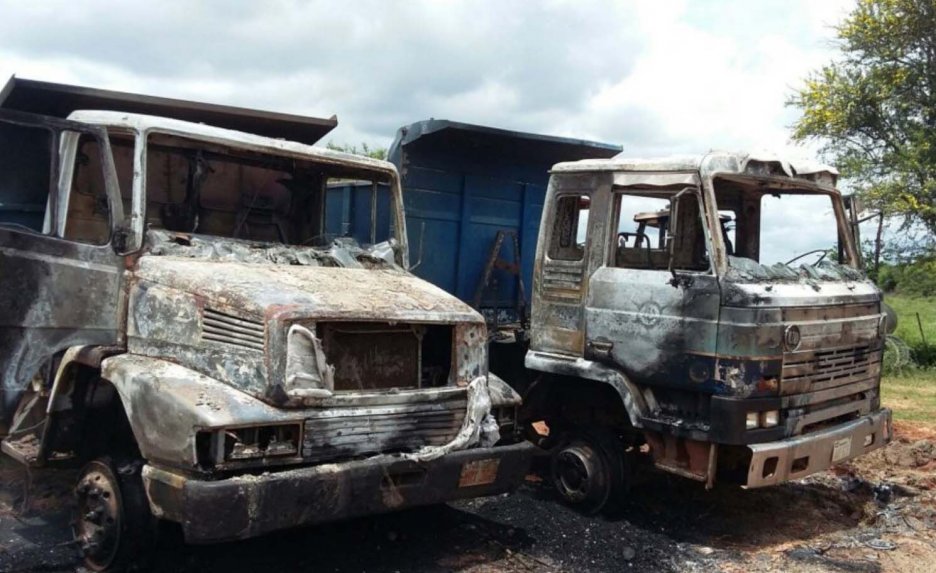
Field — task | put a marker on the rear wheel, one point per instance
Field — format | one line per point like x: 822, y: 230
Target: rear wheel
x: 114, y: 527
x: 588, y: 471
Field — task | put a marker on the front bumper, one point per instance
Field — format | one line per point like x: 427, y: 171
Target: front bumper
x: 800, y: 456
x: 250, y: 505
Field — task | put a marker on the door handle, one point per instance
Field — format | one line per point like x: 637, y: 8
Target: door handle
x: 600, y: 349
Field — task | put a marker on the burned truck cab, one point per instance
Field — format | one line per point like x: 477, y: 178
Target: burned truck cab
x: 229, y: 332
x: 672, y: 311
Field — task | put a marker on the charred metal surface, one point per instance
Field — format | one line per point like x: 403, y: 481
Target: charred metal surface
x: 694, y: 334
x: 60, y: 100
x: 42, y: 275
x: 246, y: 506
x: 235, y: 334
x: 776, y: 462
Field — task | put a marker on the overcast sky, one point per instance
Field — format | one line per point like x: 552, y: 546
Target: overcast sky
x: 655, y: 76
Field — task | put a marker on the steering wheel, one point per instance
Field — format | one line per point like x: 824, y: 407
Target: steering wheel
x: 807, y: 253
x: 624, y: 236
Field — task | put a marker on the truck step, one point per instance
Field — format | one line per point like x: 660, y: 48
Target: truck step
x: 23, y: 448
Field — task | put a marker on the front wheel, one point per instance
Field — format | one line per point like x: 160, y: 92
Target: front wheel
x: 588, y: 471
x: 114, y: 527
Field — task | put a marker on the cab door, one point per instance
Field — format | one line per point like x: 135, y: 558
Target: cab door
x: 566, y: 258
x: 59, y: 286
x: 652, y: 319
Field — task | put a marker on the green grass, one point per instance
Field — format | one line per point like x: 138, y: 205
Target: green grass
x: 912, y: 393
x: 907, y: 308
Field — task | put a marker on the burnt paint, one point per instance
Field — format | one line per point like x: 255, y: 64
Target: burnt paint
x: 54, y: 293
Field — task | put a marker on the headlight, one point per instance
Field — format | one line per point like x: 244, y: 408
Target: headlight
x: 769, y: 419
x: 505, y: 415
x: 791, y: 337
x: 216, y: 447
x: 308, y: 374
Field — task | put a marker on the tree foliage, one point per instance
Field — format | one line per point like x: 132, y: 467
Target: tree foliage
x: 364, y: 149
x: 873, y: 108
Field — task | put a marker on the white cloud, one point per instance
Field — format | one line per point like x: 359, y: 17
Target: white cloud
x: 661, y: 77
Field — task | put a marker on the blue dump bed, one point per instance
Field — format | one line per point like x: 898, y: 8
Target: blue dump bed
x: 461, y: 185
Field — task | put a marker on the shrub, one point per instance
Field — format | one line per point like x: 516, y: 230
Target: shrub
x: 923, y: 354
x: 915, y: 279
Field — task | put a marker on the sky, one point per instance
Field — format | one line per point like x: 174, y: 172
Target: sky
x: 658, y: 77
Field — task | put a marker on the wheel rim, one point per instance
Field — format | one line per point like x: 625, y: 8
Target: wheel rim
x: 577, y: 473
x: 97, y: 528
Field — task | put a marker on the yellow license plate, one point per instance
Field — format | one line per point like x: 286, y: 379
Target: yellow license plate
x: 478, y: 472
x: 841, y: 449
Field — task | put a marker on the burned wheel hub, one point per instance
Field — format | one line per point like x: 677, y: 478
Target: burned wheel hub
x: 98, y: 521
x: 580, y: 474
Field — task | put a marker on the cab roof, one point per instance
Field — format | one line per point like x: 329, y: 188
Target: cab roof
x: 238, y: 139
x: 715, y: 162
x: 60, y: 100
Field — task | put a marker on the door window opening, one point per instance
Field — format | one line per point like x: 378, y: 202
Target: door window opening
x: 642, y: 236
x: 570, y: 232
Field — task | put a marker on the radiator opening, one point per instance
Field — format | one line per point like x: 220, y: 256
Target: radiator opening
x: 382, y: 356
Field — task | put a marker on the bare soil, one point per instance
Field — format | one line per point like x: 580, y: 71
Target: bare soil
x: 875, y: 514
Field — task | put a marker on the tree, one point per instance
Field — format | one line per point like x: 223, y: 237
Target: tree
x: 873, y: 108
x: 364, y: 149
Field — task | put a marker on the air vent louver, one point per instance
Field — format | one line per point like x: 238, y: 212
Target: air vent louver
x: 228, y: 329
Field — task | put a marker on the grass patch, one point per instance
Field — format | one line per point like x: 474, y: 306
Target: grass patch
x: 911, y: 395
x: 916, y: 327
x: 907, y: 308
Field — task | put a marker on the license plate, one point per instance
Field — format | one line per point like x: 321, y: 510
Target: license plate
x: 478, y: 472
x: 841, y: 449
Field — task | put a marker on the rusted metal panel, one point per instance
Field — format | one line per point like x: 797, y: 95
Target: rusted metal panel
x: 355, y: 432
x: 776, y: 462
x: 713, y: 339
x: 54, y: 293
x: 238, y: 336
x: 60, y: 100
x: 251, y: 505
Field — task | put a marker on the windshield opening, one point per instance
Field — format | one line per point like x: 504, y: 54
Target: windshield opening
x: 209, y: 189
x: 772, y: 226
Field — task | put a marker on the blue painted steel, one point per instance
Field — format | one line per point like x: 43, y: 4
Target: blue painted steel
x: 464, y: 183
x: 348, y: 212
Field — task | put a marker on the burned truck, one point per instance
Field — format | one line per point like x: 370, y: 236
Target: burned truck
x: 223, y: 336
x: 666, y: 322
x: 679, y: 319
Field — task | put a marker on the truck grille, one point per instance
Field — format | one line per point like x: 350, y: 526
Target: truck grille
x: 356, y: 432
x: 223, y: 328
x: 829, y: 386
x: 829, y: 368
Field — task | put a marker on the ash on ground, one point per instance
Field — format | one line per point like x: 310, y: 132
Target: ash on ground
x: 877, y: 513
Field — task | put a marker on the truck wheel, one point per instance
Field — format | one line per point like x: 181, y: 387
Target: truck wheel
x: 113, y: 527
x: 587, y: 471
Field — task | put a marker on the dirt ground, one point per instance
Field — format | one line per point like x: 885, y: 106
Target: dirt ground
x: 877, y: 513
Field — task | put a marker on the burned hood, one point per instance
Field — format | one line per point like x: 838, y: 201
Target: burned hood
x: 751, y: 284
x: 743, y: 269
x: 311, y: 291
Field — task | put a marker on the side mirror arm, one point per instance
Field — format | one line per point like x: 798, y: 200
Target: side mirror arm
x: 672, y: 233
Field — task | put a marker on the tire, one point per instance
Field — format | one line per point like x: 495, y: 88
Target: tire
x: 113, y: 526
x: 588, y: 471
